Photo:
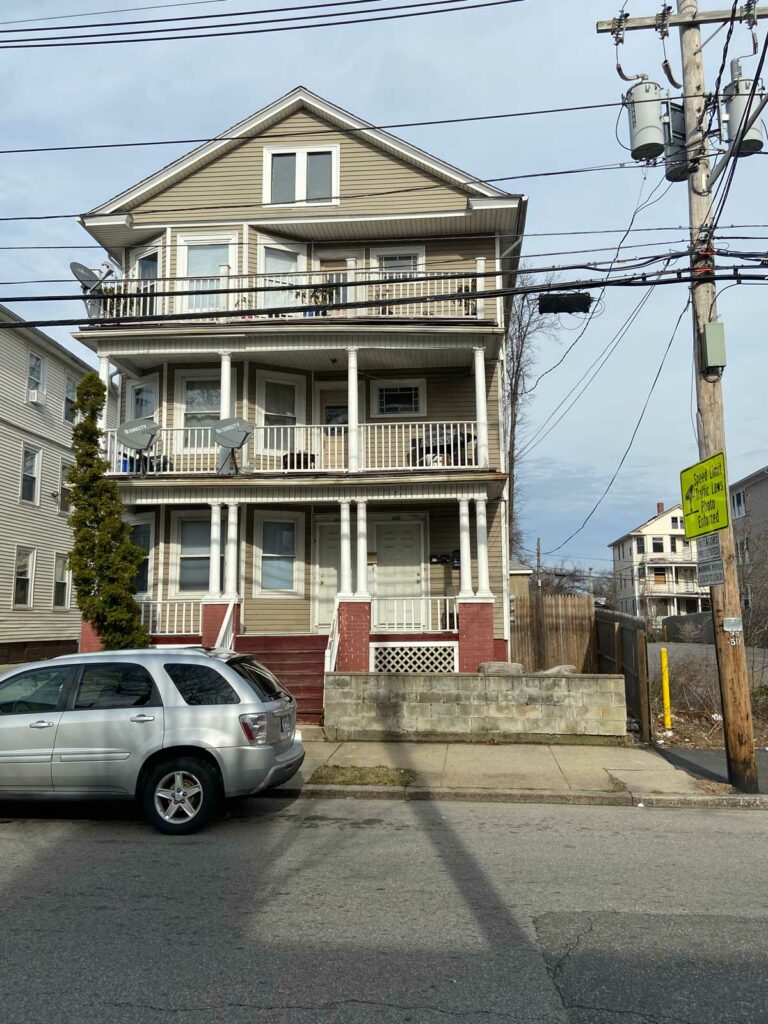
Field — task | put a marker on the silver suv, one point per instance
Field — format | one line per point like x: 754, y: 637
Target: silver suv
x: 178, y: 729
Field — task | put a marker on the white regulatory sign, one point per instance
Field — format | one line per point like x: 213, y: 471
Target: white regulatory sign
x: 708, y: 548
x: 711, y: 573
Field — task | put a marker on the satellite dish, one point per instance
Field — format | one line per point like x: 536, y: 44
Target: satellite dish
x: 90, y: 282
x: 231, y: 434
x: 137, y: 434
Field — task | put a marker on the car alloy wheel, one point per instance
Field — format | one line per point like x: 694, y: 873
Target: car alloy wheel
x: 178, y: 797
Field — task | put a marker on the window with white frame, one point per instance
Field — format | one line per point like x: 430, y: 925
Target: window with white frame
x: 70, y: 397
x: 398, y: 398
x: 193, y: 552
x: 64, y: 487
x: 30, y: 474
x: 35, y: 372
x: 206, y: 262
x: 142, y: 537
x: 677, y: 522
x: 24, y: 577
x: 657, y: 545
x: 61, y: 583
x: 640, y: 545
x: 742, y: 551
x: 281, y: 405
x: 739, y: 504
x: 307, y: 175
x: 142, y: 398
x: 200, y: 399
x: 278, y: 555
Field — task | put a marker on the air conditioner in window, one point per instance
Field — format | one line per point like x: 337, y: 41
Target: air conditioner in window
x: 36, y: 397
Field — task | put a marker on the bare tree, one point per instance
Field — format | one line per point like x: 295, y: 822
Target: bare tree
x: 527, y: 328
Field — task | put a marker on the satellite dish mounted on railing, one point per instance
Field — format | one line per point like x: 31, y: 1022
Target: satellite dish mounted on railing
x: 231, y: 435
x: 138, y: 435
x: 90, y: 282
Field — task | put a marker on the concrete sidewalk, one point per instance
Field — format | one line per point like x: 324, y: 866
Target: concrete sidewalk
x: 514, y: 773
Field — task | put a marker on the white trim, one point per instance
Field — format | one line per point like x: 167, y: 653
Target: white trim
x: 300, y: 185
x: 161, y: 550
x: 145, y: 249
x: 130, y: 387
x: 183, y: 240
x: 319, y: 386
x: 67, y: 377
x: 378, y: 383
x: 179, y: 393
x: 392, y: 249
x: 65, y: 462
x: 373, y: 647
x: 299, y: 566
x: 136, y: 520
x: 37, y: 449
x: 174, y: 566
x: 32, y: 350
x: 32, y: 567
x: 377, y: 519
x: 296, y: 98
x: 266, y: 241
x: 67, y: 606
x: 299, y: 382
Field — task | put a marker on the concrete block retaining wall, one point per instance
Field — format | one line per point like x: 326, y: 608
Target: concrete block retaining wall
x: 470, y: 707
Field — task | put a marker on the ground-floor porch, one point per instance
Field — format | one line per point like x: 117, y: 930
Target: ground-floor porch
x: 375, y: 580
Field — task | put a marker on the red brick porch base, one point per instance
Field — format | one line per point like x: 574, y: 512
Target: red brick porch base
x: 354, y: 636
x: 475, y: 634
x: 213, y: 615
x: 90, y: 641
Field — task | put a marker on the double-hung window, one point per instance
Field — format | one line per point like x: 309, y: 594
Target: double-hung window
x: 201, y: 397
x: 279, y: 569
x: 141, y: 536
x: 657, y: 545
x: 35, y: 373
x: 142, y: 398
x: 61, y: 583
x: 24, y: 577
x: 640, y: 545
x: 194, y: 554
x: 308, y: 175
x: 739, y: 504
x: 64, y: 488
x: 30, y: 474
x: 70, y: 397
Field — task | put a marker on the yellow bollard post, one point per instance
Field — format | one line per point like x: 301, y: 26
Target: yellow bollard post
x: 665, y: 689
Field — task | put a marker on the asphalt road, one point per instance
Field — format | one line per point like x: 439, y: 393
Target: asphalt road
x: 711, y: 764
x: 364, y: 911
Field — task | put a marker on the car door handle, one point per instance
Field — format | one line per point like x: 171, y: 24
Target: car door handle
x: 143, y: 718
x: 40, y: 725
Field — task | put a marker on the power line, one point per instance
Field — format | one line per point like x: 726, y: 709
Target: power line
x: 343, y: 195
x: 118, y: 10
x: 632, y: 437
x: 257, y: 31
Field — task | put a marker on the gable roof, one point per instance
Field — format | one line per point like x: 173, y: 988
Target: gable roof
x: 642, y: 526
x: 44, y: 341
x: 297, y: 99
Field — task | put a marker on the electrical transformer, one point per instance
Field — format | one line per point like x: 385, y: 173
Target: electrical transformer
x: 736, y: 95
x: 646, y: 127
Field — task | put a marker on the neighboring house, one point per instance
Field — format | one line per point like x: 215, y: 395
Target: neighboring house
x: 749, y: 512
x: 38, y: 617
x: 654, y: 568
x: 519, y: 579
x: 367, y: 525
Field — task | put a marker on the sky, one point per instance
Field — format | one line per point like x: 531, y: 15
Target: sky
x: 526, y: 56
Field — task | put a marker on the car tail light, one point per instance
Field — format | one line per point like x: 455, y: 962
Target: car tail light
x: 255, y: 728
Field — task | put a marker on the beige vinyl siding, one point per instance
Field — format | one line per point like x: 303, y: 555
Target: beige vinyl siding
x: 275, y: 614
x: 235, y: 179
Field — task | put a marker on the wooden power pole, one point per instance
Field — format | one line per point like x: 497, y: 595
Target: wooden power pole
x: 731, y: 656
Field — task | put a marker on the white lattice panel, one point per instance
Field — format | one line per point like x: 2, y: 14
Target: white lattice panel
x: 419, y: 659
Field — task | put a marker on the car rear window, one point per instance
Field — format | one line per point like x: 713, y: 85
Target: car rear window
x: 262, y: 683
x: 201, y: 684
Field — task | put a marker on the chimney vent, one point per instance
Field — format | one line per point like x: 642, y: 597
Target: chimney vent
x: 659, y: 507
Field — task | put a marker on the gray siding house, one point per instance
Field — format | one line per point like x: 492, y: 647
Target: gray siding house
x: 749, y: 511
x: 38, y: 617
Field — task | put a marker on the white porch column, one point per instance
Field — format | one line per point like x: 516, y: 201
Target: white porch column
x: 483, y: 575
x: 481, y: 408
x: 104, y: 378
x: 353, y: 426
x: 230, y: 555
x: 465, y: 552
x: 226, y: 385
x: 345, y: 559
x: 214, y: 569
x: 362, y: 550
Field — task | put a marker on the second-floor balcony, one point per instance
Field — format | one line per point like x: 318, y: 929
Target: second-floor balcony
x: 306, y: 449
x: 339, y: 295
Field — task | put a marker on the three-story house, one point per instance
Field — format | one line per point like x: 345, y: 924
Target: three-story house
x: 345, y: 293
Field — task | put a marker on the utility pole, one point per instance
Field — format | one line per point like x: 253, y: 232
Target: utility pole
x: 725, y: 600
x: 538, y: 615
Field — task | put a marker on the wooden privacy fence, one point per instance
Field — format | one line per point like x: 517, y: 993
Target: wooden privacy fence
x: 621, y: 649
x: 554, y: 629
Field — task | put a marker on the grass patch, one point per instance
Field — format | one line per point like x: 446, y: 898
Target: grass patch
x: 380, y: 775
x: 616, y: 785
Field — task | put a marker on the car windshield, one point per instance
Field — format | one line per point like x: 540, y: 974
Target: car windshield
x: 263, y: 683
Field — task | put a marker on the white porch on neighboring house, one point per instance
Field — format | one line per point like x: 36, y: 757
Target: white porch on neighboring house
x: 316, y: 408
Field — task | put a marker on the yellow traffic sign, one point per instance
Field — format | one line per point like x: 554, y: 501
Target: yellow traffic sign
x: 705, y: 496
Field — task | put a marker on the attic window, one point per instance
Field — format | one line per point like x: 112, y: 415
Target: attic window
x: 308, y: 176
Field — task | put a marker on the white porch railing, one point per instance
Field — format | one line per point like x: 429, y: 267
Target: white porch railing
x: 380, y: 293
x: 332, y: 647
x: 226, y: 635
x: 387, y: 446
x: 172, y: 618
x: 303, y: 449
x: 414, y: 615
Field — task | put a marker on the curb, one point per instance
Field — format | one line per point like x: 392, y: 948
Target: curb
x: 518, y: 796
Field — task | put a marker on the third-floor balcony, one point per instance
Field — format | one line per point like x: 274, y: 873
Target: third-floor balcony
x: 339, y: 295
